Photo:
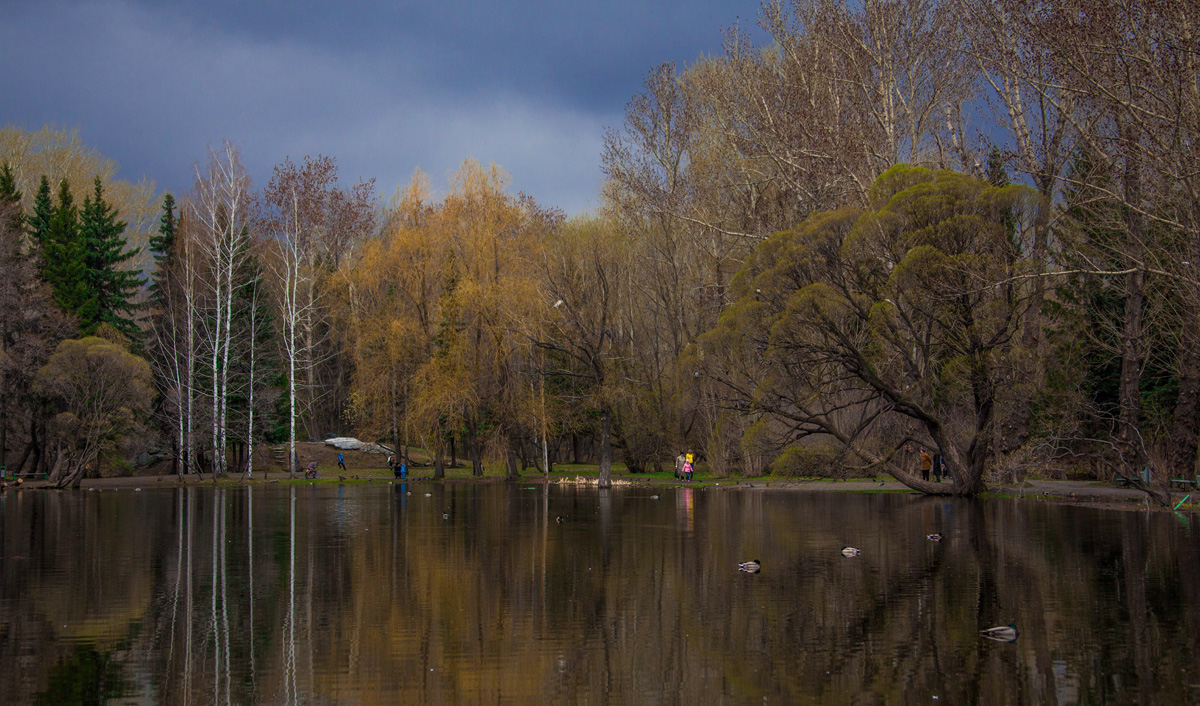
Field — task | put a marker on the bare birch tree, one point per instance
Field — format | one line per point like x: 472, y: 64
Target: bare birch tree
x: 220, y: 207
x: 312, y: 222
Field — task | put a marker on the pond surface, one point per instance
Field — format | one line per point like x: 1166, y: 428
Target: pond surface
x: 368, y: 594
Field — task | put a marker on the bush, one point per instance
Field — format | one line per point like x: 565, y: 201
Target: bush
x: 806, y: 460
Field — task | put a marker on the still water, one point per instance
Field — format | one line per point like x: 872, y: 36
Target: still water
x: 476, y: 593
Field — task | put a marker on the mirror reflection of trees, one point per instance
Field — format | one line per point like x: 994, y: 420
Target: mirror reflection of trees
x: 288, y: 595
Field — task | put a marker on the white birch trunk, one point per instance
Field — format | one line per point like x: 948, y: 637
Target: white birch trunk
x: 220, y: 197
x: 250, y: 396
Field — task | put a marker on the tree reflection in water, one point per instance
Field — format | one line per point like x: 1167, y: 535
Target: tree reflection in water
x: 364, y: 593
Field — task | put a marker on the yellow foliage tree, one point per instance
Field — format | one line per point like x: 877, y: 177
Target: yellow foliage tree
x: 441, y: 308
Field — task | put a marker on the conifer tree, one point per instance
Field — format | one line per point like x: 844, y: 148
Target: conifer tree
x: 254, y: 369
x: 10, y: 202
x: 162, y: 245
x: 43, y: 213
x: 113, y: 288
x: 64, y: 263
x: 169, y: 343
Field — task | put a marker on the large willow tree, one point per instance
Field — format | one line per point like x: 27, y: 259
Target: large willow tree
x: 867, y: 331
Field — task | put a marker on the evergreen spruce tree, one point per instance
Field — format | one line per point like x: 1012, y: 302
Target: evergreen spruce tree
x: 255, y: 368
x: 112, y: 286
x: 64, y: 263
x: 162, y: 247
x: 10, y: 202
x: 996, y: 174
x: 43, y: 213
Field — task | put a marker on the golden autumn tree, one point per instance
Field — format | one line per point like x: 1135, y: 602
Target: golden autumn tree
x: 388, y: 294
x: 442, y: 306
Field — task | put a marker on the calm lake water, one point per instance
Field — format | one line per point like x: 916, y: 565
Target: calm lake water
x: 366, y: 594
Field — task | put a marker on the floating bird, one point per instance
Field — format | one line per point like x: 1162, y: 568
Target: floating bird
x: 445, y: 515
x: 1001, y: 633
x: 882, y: 482
x: 935, y: 537
x: 850, y: 551
x: 751, y: 567
x: 429, y: 495
x: 560, y: 519
x: 654, y: 497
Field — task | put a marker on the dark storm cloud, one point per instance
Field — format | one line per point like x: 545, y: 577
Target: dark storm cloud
x: 383, y: 87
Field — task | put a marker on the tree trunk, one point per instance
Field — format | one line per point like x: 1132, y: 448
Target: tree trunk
x: 1187, y: 406
x: 39, y: 459
x: 476, y: 451
x: 25, y: 455
x: 439, y: 466
x: 605, y: 449
x: 1129, y: 395
x: 4, y: 430
x: 510, y: 457
x: 1131, y: 330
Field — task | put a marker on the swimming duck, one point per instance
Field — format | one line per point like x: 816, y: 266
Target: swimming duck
x: 1001, y: 633
x: 751, y: 567
x: 445, y: 515
x: 560, y: 519
x: 850, y: 551
x: 935, y: 537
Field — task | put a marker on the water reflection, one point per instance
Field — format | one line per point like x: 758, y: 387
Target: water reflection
x: 366, y: 594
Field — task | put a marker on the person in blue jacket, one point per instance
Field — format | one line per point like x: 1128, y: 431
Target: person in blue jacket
x: 341, y: 462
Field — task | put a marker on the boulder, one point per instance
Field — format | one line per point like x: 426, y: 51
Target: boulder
x: 345, y: 443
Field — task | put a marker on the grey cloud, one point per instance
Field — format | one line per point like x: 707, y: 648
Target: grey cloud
x: 151, y: 86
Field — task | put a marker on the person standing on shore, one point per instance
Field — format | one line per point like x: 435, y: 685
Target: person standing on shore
x: 679, y: 461
x: 926, y: 463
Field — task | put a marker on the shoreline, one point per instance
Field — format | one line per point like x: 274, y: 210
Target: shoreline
x: 1084, y: 493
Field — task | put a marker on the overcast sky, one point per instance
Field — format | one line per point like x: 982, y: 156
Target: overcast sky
x: 383, y: 87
